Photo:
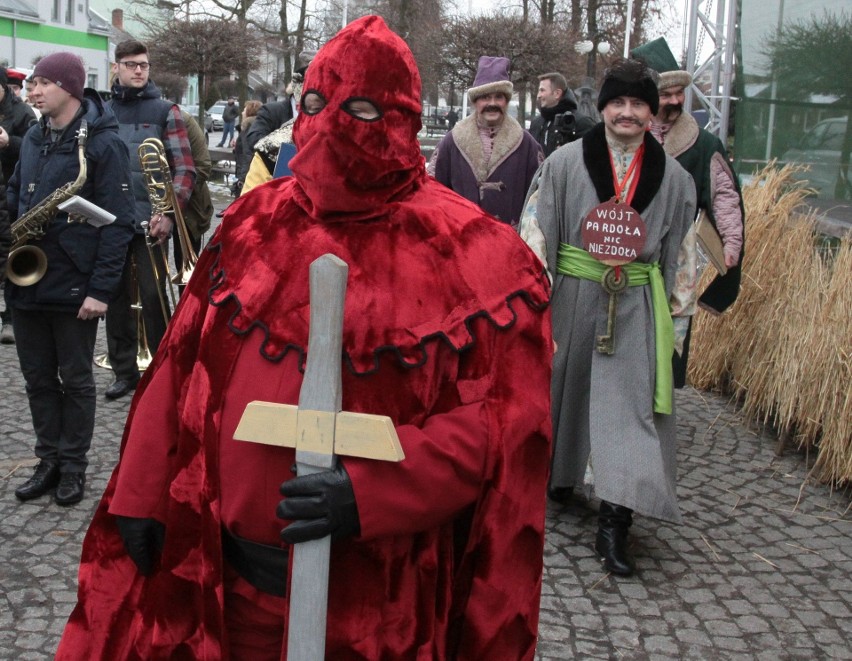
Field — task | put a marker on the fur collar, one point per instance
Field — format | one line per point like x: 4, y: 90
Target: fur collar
x: 597, y: 161
x: 466, y: 137
x: 682, y: 135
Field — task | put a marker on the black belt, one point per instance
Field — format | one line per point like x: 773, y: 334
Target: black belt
x: 264, y: 567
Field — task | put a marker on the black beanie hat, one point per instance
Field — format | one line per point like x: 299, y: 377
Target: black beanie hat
x: 630, y: 78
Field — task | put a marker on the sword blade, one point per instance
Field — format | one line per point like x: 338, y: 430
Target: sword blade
x: 321, y: 391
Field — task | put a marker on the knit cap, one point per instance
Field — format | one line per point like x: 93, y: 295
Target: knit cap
x: 64, y: 70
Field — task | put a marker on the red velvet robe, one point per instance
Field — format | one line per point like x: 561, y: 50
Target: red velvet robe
x: 446, y: 330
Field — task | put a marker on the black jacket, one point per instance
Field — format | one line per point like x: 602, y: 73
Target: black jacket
x: 5, y: 238
x: 231, y: 112
x: 82, y: 260
x: 270, y: 117
x: 546, y: 134
x: 16, y: 117
x: 141, y: 114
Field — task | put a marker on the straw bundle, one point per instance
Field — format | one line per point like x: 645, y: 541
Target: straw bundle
x: 785, y: 348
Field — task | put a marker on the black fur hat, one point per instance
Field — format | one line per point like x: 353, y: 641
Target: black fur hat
x: 630, y: 78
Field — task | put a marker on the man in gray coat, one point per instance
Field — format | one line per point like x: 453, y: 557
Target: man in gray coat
x: 613, y: 205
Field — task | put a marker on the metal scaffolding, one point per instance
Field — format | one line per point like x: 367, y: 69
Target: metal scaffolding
x: 721, y: 32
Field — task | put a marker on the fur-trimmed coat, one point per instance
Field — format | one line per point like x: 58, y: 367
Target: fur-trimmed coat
x: 602, y: 404
x: 703, y: 155
x: 498, y: 185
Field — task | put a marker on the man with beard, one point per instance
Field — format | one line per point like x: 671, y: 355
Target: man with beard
x: 438, y: 556
x: 613, y: 409
x: 487, y: 157
x: 142, y: 114
x: 703, y: 155
x: 559, y: 122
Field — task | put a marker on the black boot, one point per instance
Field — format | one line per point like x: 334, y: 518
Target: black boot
x: 70, y: 489
x: 611, y: 544
x: 45, y: 477
x: 561, y: 495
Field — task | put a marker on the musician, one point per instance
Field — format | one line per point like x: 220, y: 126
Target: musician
x: 16, y: 117
x: 56, y: 318
x: 143, y: 114
x: 438, y: 556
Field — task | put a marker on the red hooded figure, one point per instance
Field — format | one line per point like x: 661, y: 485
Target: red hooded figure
x: 446, y: 330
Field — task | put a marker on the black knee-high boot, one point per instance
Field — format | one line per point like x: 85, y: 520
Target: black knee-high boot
x: 611, y: 544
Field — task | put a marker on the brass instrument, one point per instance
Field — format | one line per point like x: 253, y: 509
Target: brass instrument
x: 143, y: 353
x: 161, y: 194
x: 27, y: 264
x: 159, y: 278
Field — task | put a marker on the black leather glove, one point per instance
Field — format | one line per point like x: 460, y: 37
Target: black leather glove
x: 143, y: 539
x: 319, y: 505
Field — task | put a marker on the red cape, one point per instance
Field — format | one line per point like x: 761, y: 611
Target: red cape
x: 446, y: 330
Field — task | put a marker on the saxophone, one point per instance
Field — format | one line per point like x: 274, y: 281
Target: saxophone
x: 27, y: 264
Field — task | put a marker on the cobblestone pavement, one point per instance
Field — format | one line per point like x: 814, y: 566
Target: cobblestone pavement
x: 761, y: 567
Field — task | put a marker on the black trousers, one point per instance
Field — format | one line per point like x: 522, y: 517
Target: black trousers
x: 121, y: 319
x: 55, y: 350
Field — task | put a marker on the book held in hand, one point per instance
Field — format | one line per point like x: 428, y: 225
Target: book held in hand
x: 710, y: 242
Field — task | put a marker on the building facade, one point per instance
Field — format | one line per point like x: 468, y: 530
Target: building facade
x: 31, y: 29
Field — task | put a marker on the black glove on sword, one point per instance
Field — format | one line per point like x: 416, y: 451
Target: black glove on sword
x: 319, y: 505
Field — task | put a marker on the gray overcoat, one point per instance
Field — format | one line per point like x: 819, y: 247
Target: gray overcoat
x: 603, y: 405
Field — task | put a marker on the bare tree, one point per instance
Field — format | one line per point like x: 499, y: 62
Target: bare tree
x: 171, y: 85
x: 208, y: 48
x: 531, y: 47
x: 248, y: 15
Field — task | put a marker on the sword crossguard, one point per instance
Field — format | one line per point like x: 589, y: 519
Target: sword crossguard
x: 345, y: 433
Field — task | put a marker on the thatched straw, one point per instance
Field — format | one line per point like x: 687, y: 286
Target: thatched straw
x: 785, y: 348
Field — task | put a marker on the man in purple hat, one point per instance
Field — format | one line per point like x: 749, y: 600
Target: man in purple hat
x: 488, y: 157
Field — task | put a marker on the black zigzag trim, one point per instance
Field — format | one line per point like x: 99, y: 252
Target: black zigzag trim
x: 217, y: 278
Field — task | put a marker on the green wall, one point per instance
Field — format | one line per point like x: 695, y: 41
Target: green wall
x: 54, y: 36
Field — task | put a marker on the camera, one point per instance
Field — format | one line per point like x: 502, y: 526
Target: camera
x: 565, y: 125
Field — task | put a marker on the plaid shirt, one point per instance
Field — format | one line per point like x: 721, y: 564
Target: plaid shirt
x: 179, y: 156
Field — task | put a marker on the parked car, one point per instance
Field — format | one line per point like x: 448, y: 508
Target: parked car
x: 819, y: 149
x: 193, y: 110
x: 216, y: 111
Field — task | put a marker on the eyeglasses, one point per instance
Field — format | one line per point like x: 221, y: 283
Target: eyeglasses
x: 136, y: 65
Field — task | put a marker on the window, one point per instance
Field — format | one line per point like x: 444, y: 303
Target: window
x: 69, y: 12
x: 55, y: 11
x: 92, y: 81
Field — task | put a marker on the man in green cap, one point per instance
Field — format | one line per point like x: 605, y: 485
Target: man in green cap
x: 703, y: 155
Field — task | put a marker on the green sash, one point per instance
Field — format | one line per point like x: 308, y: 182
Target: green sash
x: 578, y: 263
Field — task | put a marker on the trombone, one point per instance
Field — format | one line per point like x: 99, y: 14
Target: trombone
x: 143, y: 352
x: 160, y: 278
x: 161, y: 194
